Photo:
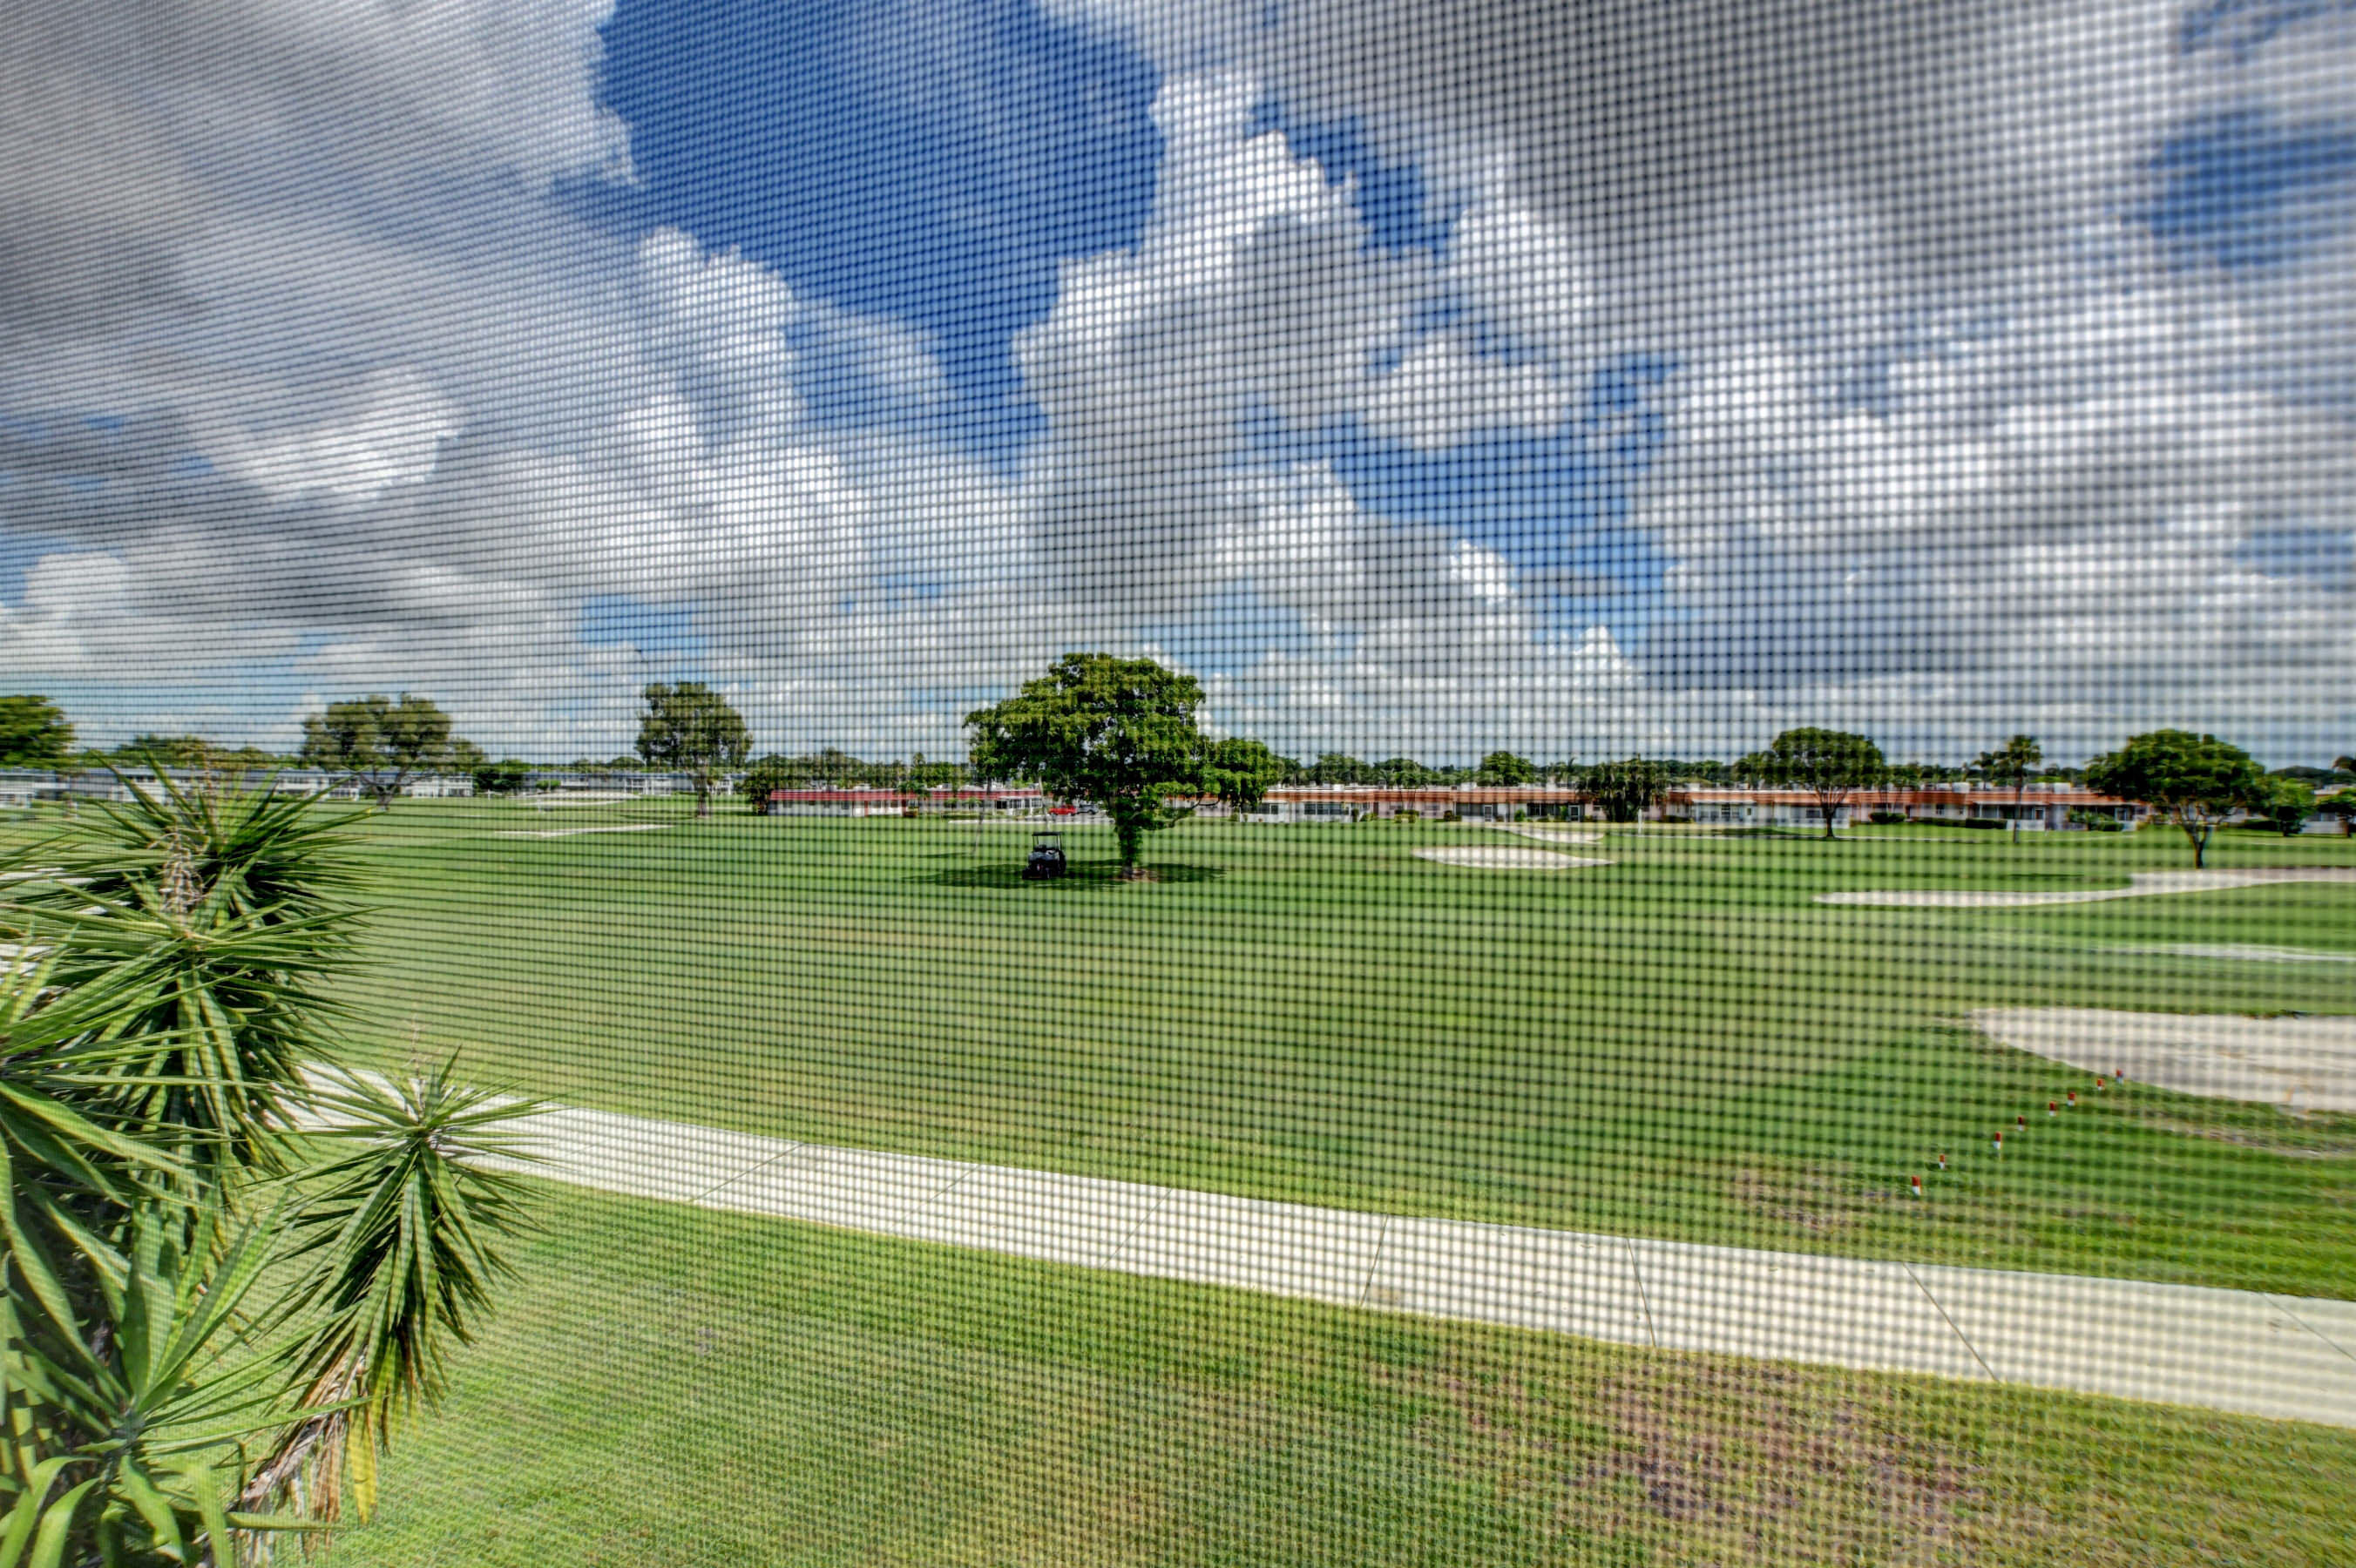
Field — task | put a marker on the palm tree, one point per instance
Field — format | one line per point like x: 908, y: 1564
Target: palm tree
x: 2016, y: 760
x: 204, y: 1319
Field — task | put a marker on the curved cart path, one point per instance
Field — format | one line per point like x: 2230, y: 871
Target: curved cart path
x: 2226, y: 1349
x: 2142, y: 885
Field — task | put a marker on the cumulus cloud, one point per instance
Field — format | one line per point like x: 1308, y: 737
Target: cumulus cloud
x: 1927, y: 436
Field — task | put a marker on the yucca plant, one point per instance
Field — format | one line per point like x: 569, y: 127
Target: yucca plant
x: 400, y: 1235
x: 230, y: 1270
x: 220, y: 912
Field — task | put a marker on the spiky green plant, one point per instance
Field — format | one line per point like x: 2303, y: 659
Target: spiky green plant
x: 174, y: 1138
x: 220, y: 912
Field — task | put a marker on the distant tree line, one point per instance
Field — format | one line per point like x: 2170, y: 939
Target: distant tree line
x: 384, y: 742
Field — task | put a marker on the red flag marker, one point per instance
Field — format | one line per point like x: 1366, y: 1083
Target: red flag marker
x: 1918, y: 1185
x: 2052, y: 1107
x: 2073, y: 1099
x: 2100, y: 1084
x: 1999, y: 1143
x: 1943, y: 1162
x: 2021, y: 1124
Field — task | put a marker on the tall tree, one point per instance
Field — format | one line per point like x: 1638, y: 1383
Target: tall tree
x: 1240, y: 773
x: 691, y: 728
x: 2195, y: 781
x: 1626, y: 790
x: 1503, y: 770
x: 765, y: 777
x: 1831, y: 765
x: 32, y: 733
x: 1119, y: 732
x: 381, y: 742
x: 2014, y: 762
x: 2287, y: 803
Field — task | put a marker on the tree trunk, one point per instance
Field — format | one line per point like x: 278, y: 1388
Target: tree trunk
x: 703, y: 802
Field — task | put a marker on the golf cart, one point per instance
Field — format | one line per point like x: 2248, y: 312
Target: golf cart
x: 1046, y: 858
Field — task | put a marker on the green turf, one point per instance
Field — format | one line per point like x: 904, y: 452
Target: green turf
x: 1681, y: 1044
x: 682, y: 1389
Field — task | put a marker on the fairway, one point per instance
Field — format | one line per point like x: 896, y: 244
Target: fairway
x: 677, y: 1387
x: 1682, y: 1044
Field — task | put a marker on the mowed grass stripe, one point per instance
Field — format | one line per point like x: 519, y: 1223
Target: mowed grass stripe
x: 687, y: 1389
x: 1678, y: 1044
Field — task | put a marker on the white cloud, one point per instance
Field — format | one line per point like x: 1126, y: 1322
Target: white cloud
x: 1949, y: 451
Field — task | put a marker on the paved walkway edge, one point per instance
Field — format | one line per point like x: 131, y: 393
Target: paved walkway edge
x: 2189, y: 1345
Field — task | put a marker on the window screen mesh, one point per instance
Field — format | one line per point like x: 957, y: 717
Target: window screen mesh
x: 1300, y: 784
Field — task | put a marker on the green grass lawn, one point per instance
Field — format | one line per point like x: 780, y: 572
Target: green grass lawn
x: 1681, y: 1044
x: 682, y: 1389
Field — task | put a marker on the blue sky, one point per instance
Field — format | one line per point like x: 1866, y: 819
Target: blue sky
x: 1523, y: 372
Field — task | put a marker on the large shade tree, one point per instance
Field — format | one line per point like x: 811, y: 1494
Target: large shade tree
x: 1241, y: 771
x: 1118, y: 733
x: 1831, y: 765
x: 34, y: 733
x: 381, y: 741
x: 691, y: 728
x: 2194, y: 781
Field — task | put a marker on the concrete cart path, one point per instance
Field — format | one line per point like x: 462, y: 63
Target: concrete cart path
x: 2226, y: 1349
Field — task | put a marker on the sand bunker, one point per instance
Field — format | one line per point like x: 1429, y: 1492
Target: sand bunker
x: 573, y: 832
x: 1495, y: 857
x: 1559, y: 834
x: 2243, y: 950
x: 2301, y: 1065
x: 2143, y: 885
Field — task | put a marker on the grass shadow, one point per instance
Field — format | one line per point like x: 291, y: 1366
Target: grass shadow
x: 1092, y: 874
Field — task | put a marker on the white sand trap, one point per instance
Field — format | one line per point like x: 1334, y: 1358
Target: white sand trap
x: 573, y: 832
x: 1559, y: 834
x: 1496, y: 857
x: 2237, y: 950
x: 2302, y: 1065
x: 2143, y: 885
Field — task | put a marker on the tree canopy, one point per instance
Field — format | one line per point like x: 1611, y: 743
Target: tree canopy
x: 1831, y: 764
x: 690, y: 727
x: 379, y: 741
x: 34, y: 733
x: 1241, y: 771
x: 1503, y: 770
x: 2288, y: 804
x: 1626, y: 789
x: 2195, y: 781
x: 1118, y: 732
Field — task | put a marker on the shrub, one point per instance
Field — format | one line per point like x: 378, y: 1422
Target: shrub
x: 2095, y: 821
x: 1886, y: 819
x: 1983, y: 822
x: 1405, y: 816
x: 1451, y: 814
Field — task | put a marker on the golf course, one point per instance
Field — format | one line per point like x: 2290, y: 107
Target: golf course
x: 1671, y: 1036
x: 1682, y: 1043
